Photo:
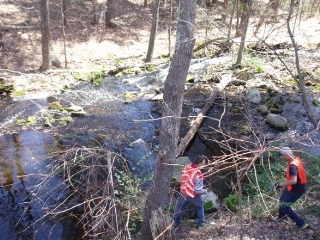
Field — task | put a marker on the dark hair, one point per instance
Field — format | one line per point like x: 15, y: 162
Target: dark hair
x: 199, y: 159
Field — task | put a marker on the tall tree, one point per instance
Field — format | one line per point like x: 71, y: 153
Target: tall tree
x: 154, y: 26
x: 110, y: 13
x: 45, y: 35
x: 247, y: 10
x: 172, y: 107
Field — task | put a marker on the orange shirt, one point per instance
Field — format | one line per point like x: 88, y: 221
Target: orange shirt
x: 301, y: 172
x: 189, y: 173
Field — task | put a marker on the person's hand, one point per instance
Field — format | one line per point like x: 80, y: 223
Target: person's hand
x: 205, y: 191
x: 276, y: 186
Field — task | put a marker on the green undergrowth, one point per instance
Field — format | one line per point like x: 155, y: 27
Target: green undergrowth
x: 260, y: 200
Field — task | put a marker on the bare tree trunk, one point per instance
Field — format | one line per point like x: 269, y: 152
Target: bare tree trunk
x: 46, y: 38
x: 64, y: 9
x: 110, y: 12
x: 95, y: 15
x: 244, y: 32
x: 300, y: 80
x: 155, y: 16
x: 172, y: 107
x: 230, y: 21
x: 145, y: 3
x: 238, y: 22
x: 244, y: 10
x: 169, y: 29
x: 64, y: 22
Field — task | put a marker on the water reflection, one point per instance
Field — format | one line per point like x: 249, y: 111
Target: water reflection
x: 21, y: 167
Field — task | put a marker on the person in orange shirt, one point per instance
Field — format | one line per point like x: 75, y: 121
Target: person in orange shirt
x: 295, y: 187
x: 191, y: 190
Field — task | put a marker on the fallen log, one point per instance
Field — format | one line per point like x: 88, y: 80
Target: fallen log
x: 226, y: 79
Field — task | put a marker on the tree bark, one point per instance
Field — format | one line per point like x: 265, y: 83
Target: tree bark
x: 45, y: 36
x: 95, y: 15
x: 64, y: 22
x: 172, y: 107
x: 154, y: 26
x: 244, y: 31
x: 110, y: 13
x: 64, y: 9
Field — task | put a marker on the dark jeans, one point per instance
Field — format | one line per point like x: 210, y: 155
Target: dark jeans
x: 286, y: 200
x: 181, y: 207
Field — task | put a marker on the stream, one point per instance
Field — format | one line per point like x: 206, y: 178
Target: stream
x: 24, y: 150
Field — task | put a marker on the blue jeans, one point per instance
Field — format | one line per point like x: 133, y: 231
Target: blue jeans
x: 286, y: 200
x: 181, y: 207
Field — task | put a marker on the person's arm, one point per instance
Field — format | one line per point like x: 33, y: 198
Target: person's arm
x: 198, y: 186
x: 293, y: 171
x: 292, y: 181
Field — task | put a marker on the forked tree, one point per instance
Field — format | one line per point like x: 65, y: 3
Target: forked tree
x: 169, y: 132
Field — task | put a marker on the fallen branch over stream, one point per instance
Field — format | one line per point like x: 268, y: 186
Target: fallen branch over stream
x: 194, y: 128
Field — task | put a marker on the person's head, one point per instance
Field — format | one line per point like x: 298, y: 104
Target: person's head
x: 200, y: 160
x: 286, y: 153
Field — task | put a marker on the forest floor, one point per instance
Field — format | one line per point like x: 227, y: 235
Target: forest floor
x: 91, y: 46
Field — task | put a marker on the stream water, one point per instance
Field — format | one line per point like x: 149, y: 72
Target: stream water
x: 24, y: 151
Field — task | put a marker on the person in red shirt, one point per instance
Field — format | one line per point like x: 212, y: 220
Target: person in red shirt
x: 295, y: 187
x: 191, y: 190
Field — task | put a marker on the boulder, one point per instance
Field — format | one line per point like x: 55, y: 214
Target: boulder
x: 55, y: 61
x: 254, y: 96
x: 210, y: 196
x: 277, y: 122
x: 263, y: 109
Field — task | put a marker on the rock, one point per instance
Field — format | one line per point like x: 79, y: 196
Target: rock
x: 55, y: 61
x: 74, y: 108
x: 277, y: 122
x: 211, y: 196
x: 130, y: 96
x: 140, y: 154
x: 254, y: 96
x: 263, y: 109
x: 55, y: 105
x: 78, y: 113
